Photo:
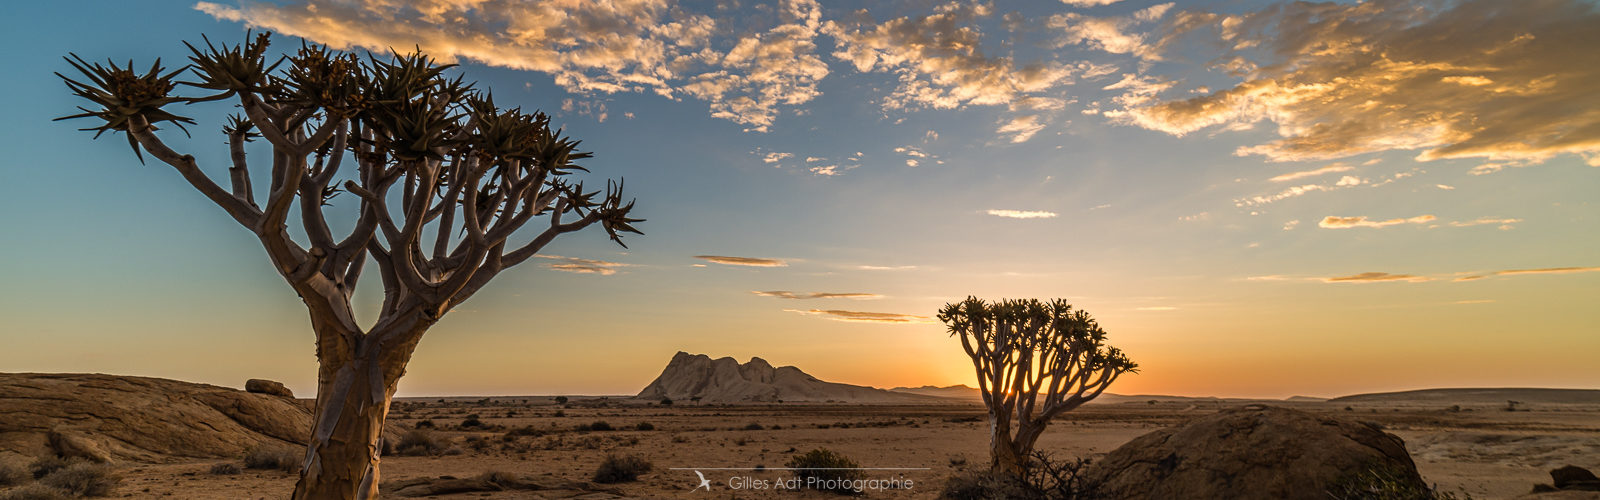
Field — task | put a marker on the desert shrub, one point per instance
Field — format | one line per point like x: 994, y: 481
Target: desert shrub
x: 526, y: 430
x: 83, y: 480
x: 419, y: 442
x: 1379, y: 481
x: 559, y: 413
x: 425, y: 424
x: 1044, y: 479
x: 224, y: 469
x: 621, y: 469
x: 645, y: 426
x: 827, y: 469
x: 272, y: 457
x: 471, y: 422
x: 598, y: 425
x: 43, y: 466
x: 561, y: 400
x: 34, y: 491
x: 12, y: 474
x: 753, y: 427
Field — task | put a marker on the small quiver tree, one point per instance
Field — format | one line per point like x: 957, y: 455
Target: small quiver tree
x: 442, y: 178
x: 1034, y: 361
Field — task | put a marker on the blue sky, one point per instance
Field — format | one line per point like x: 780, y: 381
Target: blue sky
x: 1254, y: 198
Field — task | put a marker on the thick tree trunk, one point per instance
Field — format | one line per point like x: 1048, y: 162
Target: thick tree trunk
x: 346, y: 433
x: 353, y: 395
x: 1003, y: 457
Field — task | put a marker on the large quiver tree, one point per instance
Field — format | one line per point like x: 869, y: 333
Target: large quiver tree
x: 1034, y: 361
x: 443, y: 179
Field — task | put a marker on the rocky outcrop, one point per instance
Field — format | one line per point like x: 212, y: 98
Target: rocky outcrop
x: 1255, y: 452
x: 725, y: 380
x: 106, y: 418
x: 1569, y: 482
x: 264, y: 386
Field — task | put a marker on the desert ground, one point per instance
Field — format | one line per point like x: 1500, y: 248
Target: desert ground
x: 1483, y: 451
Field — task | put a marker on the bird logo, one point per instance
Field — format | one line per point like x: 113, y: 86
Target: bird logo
x: 704, y: 483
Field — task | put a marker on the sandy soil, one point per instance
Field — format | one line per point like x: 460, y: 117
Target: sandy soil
x: 1482, y: 451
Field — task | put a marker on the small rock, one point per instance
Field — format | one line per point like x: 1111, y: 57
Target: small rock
x: 264, y: 386
x: 1572, y: 475
x: 71, y: 444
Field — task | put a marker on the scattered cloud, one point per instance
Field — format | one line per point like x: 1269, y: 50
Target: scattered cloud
x: 831, y: 170
x: 583, y: 266
x: 1110, y: 34
x: 938, y: 59
x: 1335, y: 222
x: 1445, y: 187
x: 1287, y: 226
x: 637, y: 46
x: 1471, y: 79
x: 1546, y: 270
x: 742, y: 261
x: 1089, y: 3
x: 1337, y: 167
x: 775, y: 157
x: 1505, y: 224
x: 785, y: 294
x: 1374, y: 277
x: 863, y: 317
x: 886, y: 268
x: 1021, y: 214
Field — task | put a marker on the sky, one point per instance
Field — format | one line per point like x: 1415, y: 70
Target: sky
x: 1254, y: 198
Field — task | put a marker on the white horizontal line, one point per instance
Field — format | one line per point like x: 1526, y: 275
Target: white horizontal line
x: 799, y: 468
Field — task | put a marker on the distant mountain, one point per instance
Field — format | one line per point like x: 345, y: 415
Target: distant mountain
x: 1479, y: 396
x: 1305, y: 399
x: 725, y: 380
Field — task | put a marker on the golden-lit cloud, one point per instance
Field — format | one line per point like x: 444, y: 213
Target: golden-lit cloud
x: 938, y: 59
x: 1337, y: 167
x: 648, y: 46
x: 1374, y: 277
x: 583, y: 266
x: 742, y: 261
x: 1347, y: 181
x: 1335, y: 222
x: 785, y: 294
x: 864, y: 317
x: 1485, y: 79
x: 1089, y: 3
x: 1504, y: 223
x: 1021, y: 214
x: 1110, y: 34
x: 1547, y: 270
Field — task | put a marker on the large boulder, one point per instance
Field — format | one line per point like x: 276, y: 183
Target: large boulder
x: 106, y: 417
x: 1257, y: 452
x: 264, y: 386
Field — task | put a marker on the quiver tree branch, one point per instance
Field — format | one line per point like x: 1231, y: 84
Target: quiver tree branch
x: 1025, y: 349
x: 470, y: 176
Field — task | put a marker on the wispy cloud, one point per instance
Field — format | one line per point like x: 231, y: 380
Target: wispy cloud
x: 785, y: 294
x: 1020, y: 214
x: 863, y: 317
x: 742, y: 261
x: 1477, y: 79
x: 1337, y: 167
x: 1335, y: 222
x: 1504, y: 223
x: 583, y: 266
x: 1111, y: 34
x: 1516, y: 272
x: 775, y: 157
x: 1374, y: 277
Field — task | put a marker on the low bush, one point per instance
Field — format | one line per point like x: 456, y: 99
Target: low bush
x: 1045, y: 479
x: 598, y: 425
x: 12, y: 474
x: 34, y: 491
x: 419, y: 442
x: 825, y: 468
x: 645, y: 426
x: 83, y: 480
x: 224, y: 469
x: 621, y: 469
x: 272, y: 457
x: 753, y: 427
x: 43, y: 466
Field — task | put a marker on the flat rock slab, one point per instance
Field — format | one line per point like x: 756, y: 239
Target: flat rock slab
x: 140, y: 419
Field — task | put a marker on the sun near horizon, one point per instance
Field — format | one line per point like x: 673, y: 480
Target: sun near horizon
x: 1249, y: 205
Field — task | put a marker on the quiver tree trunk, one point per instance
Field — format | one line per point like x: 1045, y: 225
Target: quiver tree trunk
x: 354, y: 388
